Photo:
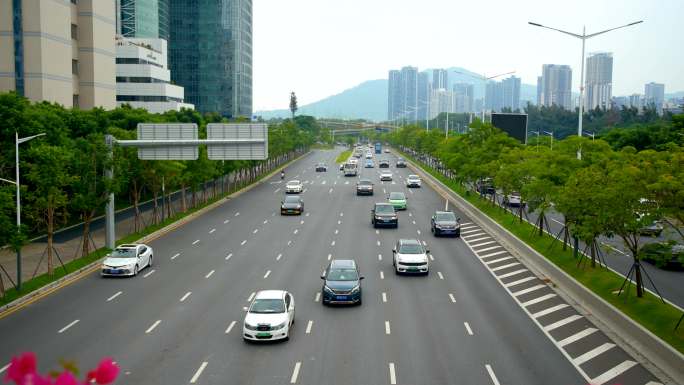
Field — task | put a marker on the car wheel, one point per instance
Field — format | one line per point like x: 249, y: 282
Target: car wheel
x: 135, y: 270
x: 149, y: 264
x: 360, y: 301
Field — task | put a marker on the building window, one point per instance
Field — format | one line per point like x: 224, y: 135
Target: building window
x: 146, y: 98
x: 74, y: 31
x: 74, y: 2
x: 75, y: 101
x: 74, y: 66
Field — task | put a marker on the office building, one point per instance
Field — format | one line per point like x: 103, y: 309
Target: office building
x: 59, y: 51
x: 440, y: 79
x: 409, y: 93
x: 393, y: 94
x: 441, y: 101
x: 654, y: 96
x: 599, y: 82
x: 635, y: 101
x: 539, y: 90
x: 503, y: 94
x: 143, y: 78
x: 423, y: 95
x: 143, y: 18
x: 555, y: 86
x: 463, y: 97
x: 210, y: 54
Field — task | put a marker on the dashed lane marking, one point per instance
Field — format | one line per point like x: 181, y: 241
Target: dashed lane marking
x: 230, y: 327
x: 329, y: 257
x: 336, y: 231
x: 432, y: 258
x: 62, y: 330
x: 251, y: 297
x: 382, y: 275
x: 226, y: 221
x: 388, y: 331
x: 440, y: 275
x: 301, y: 222
x: 308, y: 327
x: 453, y: 299
x: 267, y: 274
x: 279, y: 256
x: 468, y: 329
x: 237, y: 214
x: 209, y: 274
x: 118, y: 293
x: 175, y: 256
x: 276, y: 190
x: 185, y: 296
x: 228, y: 256
x: 198, y: 373
x: 154, y: 325
x: 495, y: 381
x: 384, y: 297
x: 418, y: 231
x: 149, y: 273
x: 212, y: 231
x: 318, y: 297
x: 243, y: 242
x: 255, y: 231
x: 379, y: 257
x: 392, y: 374
x: 295, y: 373
x: 4, y: 368
x: 265, y: 221
x: 378, y: 243
x: 196, y: 242
x: 332, y: 243
x: 295, y: 231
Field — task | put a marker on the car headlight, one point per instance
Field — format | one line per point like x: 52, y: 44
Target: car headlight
x: 250, y: 327
x: 279, y: 326
x: 328, y: 290
x: 355, y: 289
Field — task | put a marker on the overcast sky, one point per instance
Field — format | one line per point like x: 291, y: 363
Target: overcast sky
x: 318, y: 48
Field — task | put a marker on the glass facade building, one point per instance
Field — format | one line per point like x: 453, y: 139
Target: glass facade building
x: 211, y: 54
x: 148, y: 19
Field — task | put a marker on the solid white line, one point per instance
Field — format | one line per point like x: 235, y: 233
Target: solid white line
x: 528, y: 290
x: 453, y: 299
x: 62, y: 330
x: 512, y: 273
x: 488, y: 248
x: 468, y: 329
x: 478, y: 240
x: 228, y: 256
x: 251, y: 296
x: 149, y: 273
x: 198, y: 372
x: 498, y: 260
x: 175, y: 256
x: 318, y: 297
x: 483, y: 243
x: 112, y: 297
x: 211, y: 231
x: 255, y: 231
x: 154, y: 325
x: 230, y: 327
x: 493, y: 254
x: 196, y: 242
x: 279, y: 256
x: 308, y: 327
x: 593, y: 353
x: 614, y: 372
x: 537, y: 300
x: 267, y: 274
x: 384, y: 297
x: 209, y: 274
x: 185, y: 296
x: 549, y: 310
x: 495, y: 381
x: 379, y: 257
x: 243, y: 242
x: 4, y: 368
x: 382, y: 275
x: 393, y: 375
x: 440, y: 275
x: 473, y: 235
x: 562, y: 322
x: 577, y: 336
x: 387, y: 328
x: 520, y: 281
x: 295, y: 373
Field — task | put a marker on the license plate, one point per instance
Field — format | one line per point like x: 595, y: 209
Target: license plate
x: 263, y: 334
x: 114, y: 271
x: 413, y: 269
x: 341, y: 297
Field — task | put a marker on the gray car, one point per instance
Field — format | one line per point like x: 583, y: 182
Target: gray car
x: 445, y: 223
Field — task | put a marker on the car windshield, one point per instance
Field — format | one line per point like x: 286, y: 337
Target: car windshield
x: 447, y: 217
x: 397, y: 196
x: 411, y: 248
x: 271, y: 305
x: 384, y: 209
x: 293, y: 182
x: 365, y: 182
x: 413, y: 177
x: 123, y: 253
x: 342, y: 275
x: 291, y: 199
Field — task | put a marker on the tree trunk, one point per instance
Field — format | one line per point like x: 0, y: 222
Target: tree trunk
x: 87, y: 217
x: 639, y: 279
x: 155, y: 208
x: 50, y: 228
x: 136, y: 202
x: 194, y: 198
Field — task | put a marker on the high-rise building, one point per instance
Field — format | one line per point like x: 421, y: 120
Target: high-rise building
x: 539, y: 90
x: 463, y: 97
x: 143, y: 18
x: 393, y: 95
x: 555, y: 87
x: 503, y: 94
x: 423, y: 95
x: 409, y: 92
x: 210, y: 54
x: 636, y: 101
x: 599, y: 83
x: 59, y: 51
x: 440, y: 79
x: 441, y: 101
x: 654, y: 95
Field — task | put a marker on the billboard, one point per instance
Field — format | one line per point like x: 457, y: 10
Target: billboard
x: 514, y: 125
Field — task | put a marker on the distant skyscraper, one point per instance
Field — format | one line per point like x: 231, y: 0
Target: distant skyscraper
x: 393, y: 95
x: 441, y: 101
x: 555, y: 87
x: 463, y: 97
x: 503, y: 94
x: 423, y: 95
x: 440, y: 79
x: 210, y: 54
x: 539, y: 90
x: 636, y: 101
x: 147, y: 19
x: 409, y: 93
x: 599, y: 83
x: 654, y: 95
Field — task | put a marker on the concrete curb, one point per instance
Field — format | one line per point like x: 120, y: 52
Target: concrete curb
x: 659, y: 354
x: 91, y: 267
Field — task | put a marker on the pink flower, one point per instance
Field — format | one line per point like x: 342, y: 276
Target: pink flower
x: 105, y: 373
x: 20, y: 367
x: 66, y: 378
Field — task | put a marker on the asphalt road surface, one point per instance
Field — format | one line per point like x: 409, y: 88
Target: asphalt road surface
x: 479, y: 317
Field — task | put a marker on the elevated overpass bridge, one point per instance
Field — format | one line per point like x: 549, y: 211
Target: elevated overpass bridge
x: 340, y: 127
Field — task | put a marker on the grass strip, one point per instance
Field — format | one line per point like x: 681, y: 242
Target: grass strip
x: 344, y: 155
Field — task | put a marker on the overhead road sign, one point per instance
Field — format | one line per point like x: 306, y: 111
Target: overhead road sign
x: 153, y: 141
x: 237, y: 141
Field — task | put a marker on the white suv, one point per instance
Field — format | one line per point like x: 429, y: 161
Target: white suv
x: 410, y: 257
x: 413, y: 181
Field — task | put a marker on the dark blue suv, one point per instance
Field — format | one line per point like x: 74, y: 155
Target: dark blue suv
x: 342, y: 283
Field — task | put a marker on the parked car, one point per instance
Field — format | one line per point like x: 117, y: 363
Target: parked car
x: 664, y: 254
x: 383, y: 214
x: 410, y: 257
x: 292, y: 204
x: 127, y: 260
x: 445, y: 223
x: 293, y: 187
x: 321, y: 167
x: 341, y: 283
x: 397, y: 199
x: 413, y: 181
x: 269, y: 317
x: 364, y: 187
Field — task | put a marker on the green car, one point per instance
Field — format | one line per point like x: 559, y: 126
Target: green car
x: 398, y: 200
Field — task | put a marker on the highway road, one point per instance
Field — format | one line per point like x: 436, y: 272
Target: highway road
x: 479, y: 317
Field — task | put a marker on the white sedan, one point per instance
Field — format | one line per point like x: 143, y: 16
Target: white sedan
x: 127, y: 260
x: 293, y: 187
x: 385, y: 176
x: 269, y: 317
x: 413, y: 181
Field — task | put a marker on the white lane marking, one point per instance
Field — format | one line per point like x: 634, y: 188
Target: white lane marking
x: 267, y: 274
x: 384, y: 191
x: 488, y: 248
x: 440, y: 275
x: 506, y: 266
x: 228, y: 256
x: 185, y: 296
x: 196, y: 242
x: 118, y: 293
x: 347, y: 182
x: 388, y: 331
x: 466, y: 223
x: 255, y: 231
x: 276, y: 190
x: 473, y: 235
x: 478, y: 240
x: 175, y: 256
x: 528, y: 290
x: 243, y: 242
x: 341, y: 214
x: 323, y: 182
x: 384, y: 297
x: 265, y: 221
x: 289, y: 243
x: 332, y: 243
x: 414, y: 222
x: 279, y: 256
x: 4, y: 368
x: 230, y: 327
x: 212, y: 231
x: 577, y: 336
x: 483, y: 244
x: 537, y: 300
x: 549, y: 310
x: 237, y: 214
x: 340, y: 222
x: 301, y: 222
x: 392, y: 373
x: 410, y: 215
x: 468, y: 329
x: 377, y: 231
x: 295, y: 373
x: 469, y: 231
x: 495, y: 381
x: 593, y: 353
x: 562, y: 322
x: 453, y: 299
x: 557, y: 221
x: 154, y: 325
x: 295, y: 231
x: 336, y: 231
x: 493, y: 254
x: 382, y: 275
x: 614, y: 372
x: 520, y: 281
x: 149, y: 273
x: 305, y: 190
x: 307, y: 214
x: 512, y: 273
x: 251, y: 297
x: 318, y: 297
x: 329, y: 257
x: 226, y: 221
x: 418, y: 231
x: 378, y: 243
x: 330, y: 191
x: 498, y: 260
x: 209, y: 274
x: 308, y: 327
x: 432, y: 258
x: 424, y: 243
x: 379, y: 257
x: 198, y: 372
x: 466, y: 227
x: 62, y: 330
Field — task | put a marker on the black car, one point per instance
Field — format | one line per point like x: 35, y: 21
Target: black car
x: 383, y: 214
x: 292, y: 204
x: 321, y: 167
x: 486, y: 186
x: 383, y: 164
x: 401, y: 163
x: 341, y: 283
x: 364, y: 187
x: 445, y: 223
